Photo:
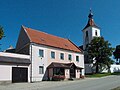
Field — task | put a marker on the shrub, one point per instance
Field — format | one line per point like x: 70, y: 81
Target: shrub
x: 82, y: 76
x: 58, y: 77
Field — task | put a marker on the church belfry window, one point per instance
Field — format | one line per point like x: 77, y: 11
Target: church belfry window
x: 86, y: 38
x: 86, y: 33
x: 96, y: 32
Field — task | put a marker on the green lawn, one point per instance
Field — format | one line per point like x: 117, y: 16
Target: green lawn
x: 102, y: 74
x: 98, y: 75
x: 116, y: 73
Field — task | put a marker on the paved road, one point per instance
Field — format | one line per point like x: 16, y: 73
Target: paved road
x: 105, y: 83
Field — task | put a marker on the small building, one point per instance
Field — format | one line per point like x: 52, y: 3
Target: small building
x: 14, y: 67
x: 50, y: 56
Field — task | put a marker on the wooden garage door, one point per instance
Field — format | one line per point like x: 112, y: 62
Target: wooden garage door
x: 19, y: 74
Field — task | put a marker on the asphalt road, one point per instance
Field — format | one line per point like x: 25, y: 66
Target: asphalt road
x: 104, y: 83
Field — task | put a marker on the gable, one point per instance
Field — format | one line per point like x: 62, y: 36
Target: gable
x: 23, y: 40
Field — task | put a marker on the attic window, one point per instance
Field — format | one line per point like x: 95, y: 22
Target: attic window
x: 42, y: 39
x: 66, y: 45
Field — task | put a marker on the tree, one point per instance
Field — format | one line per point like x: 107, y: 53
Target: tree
x: 1, y: 32
x: 100, y: 51
x: 116, y: 54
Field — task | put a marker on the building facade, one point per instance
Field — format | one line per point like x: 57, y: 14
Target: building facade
x: 50, y: 56
x: 14, y: 67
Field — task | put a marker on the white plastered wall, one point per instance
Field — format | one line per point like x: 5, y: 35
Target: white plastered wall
x: 67, y: 73
x: 91, y: 33
x: 46, y: 60
x: 5, y: 73
x: 77, y: 73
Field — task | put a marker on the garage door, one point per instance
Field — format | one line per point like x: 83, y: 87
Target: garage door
x: 19, y: 74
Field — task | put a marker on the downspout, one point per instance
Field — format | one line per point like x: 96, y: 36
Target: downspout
x: 31, y: 63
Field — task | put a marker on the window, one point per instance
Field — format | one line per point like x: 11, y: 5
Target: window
x: 96, y: 32
x: 86, y: 33
x: 41, y: 53
x: 58, y: 71
x: 53, y: 55
x: 69, y: 57
x: 62, y: 56
x: 41, y: 70
x: 77, y: 58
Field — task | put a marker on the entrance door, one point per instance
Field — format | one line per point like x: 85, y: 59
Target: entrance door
x: 72, y: 72
x: 19, y: 74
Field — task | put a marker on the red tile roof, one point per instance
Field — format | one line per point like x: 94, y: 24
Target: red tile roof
x: 50, y: 40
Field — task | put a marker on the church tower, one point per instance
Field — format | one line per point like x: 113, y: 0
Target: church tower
x: 91, y: 30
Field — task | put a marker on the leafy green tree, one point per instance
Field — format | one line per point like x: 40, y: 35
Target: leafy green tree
x: 99, y: 52
x: 116, y: 54
x: 1, y: 32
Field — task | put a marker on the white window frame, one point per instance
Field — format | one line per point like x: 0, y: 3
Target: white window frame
x: 77, y: 58
x: 41, y: 69
x: 70, y: 57
x: 41, y: 53
x: 62, y: 56
x: 52, y: 55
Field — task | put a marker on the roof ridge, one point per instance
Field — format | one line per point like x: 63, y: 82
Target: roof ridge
x: 36, y: 36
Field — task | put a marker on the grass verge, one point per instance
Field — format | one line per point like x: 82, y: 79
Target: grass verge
x: 118, y: 88
x: 115, y: 73
x: 98, y: 75
x: 102, y: 74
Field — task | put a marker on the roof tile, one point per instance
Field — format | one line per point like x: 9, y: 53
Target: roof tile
x: 51, y: 40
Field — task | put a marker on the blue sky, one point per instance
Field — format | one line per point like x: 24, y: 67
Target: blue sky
x: 63, y: 18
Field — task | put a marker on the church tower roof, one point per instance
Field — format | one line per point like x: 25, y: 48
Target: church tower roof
x: 90, y: 21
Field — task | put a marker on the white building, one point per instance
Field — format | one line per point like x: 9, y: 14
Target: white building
x: 50, y: 56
